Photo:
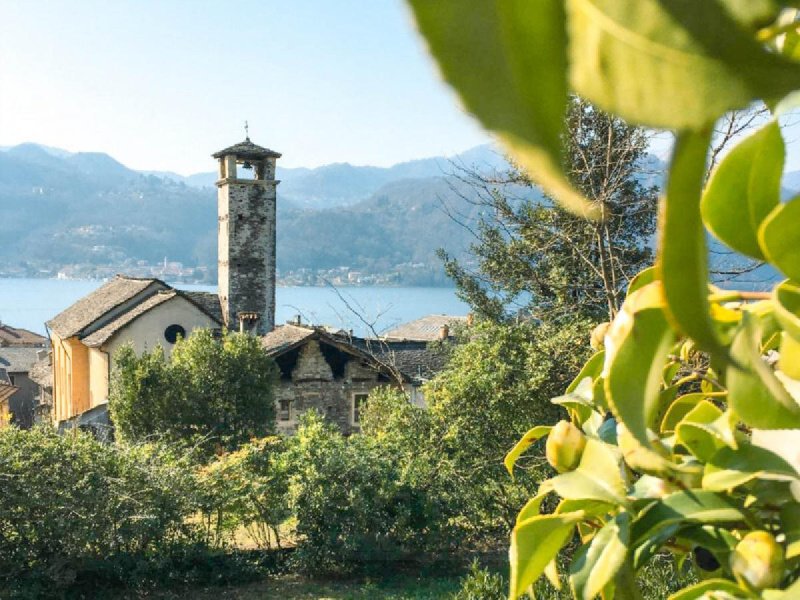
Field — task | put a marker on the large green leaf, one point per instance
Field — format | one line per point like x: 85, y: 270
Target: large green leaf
x: 729, y: 467
x: 597, y: 477
x: 530, y: 438
x: 790, y: 525
x: 705, y: 429
x: 712, y: 589
x: 508, y: 63
x: 682, y: 262
x: 744, y: 188
x: 636, y: 350
x: 578, y: 401
x: 754, y: 393
x: 670, y: 63
x: 534, y: 543
x: 786, y: 297
x: 683, y: 508
x: 679, y: 409
x: 590, y: 571
x: 779, y: 237
x: 591, y: 369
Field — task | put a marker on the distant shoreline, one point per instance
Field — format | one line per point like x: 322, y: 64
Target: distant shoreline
x: 200, y: 284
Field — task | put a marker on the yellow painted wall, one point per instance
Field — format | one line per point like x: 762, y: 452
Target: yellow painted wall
x: 70, y: 377
x: 98, y: 377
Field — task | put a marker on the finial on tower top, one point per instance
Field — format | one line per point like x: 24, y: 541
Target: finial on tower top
x: 246, y: 131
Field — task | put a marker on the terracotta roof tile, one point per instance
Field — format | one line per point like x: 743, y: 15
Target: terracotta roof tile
x: 13, y: 336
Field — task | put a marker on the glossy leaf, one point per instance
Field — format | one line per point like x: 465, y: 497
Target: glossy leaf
x: 682, y: 261
x: 704, y: 430
x: 508, y: 63
x: 786, y: 303
x: 636, y: 348
x: 592, y: 570
x: 683, y: 508
x: 678, y: 410
x: 743, y: 189
x: 789, y: 361
x: 530, y: 438
x: 670, y: 63
x: 779, y: 237
x: 649, y: 275
x: 729, y: 468
x: 578, y: 401
x: 705, y: 590
x: 597, y: 477
x: 754, y: 393
x: 592, y: 369
x: 790, y: 525
x: 534, y: 543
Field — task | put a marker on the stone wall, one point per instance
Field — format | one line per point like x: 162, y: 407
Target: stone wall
x: 246, y: 248
x: 313, y: 386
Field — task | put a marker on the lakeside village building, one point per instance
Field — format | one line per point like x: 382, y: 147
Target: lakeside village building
x: 320, y: 368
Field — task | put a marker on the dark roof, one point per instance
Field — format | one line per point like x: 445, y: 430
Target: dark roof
x: 247, y: 150
x: 426, y: 329
x: 286, y: 337
x: 92, y: 307
x: 415, y: 361
x: 12, y: 336
x: 42, y: 372
x: 208, y: 302
x: 18, y: 359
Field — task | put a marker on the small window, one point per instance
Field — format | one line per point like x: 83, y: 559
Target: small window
x: 173, y: 332
x: 359, y: 402
x: 285, y: 410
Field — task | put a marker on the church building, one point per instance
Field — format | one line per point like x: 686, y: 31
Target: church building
x: 331, y: 372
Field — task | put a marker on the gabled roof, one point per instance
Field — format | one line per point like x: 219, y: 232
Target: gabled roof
x: 18, y: 359
x: 247, y: 150
x: 208, y: 302
x: 426, y: 329
x: 105, y: 333
x: 92, y: 307
x: 286, y: 337
x: 13, y: 336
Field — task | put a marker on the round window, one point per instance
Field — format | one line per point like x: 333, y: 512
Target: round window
x: 173, y: 332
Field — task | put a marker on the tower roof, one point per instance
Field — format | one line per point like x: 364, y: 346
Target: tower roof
x: 247, y: 150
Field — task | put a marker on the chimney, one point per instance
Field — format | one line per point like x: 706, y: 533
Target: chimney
x: 444, y: 332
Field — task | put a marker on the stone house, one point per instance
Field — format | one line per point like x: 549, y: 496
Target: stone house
x: 333, y: 372
x: 19, y: 351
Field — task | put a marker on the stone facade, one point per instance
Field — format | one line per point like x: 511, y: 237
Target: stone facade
x: 309, y: 381
x: 246, y: 238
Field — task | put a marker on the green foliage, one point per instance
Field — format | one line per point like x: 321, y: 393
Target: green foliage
x: 481, y: 584
x: 245, y: 489
x: 217, y: 390
x: 483, y: 401
x: 533, y: 254
x: 70, y: 502
x: 357, y: 504
x: 681, y: 462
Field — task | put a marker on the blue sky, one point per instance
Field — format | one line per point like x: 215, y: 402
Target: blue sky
x: 163, y: 84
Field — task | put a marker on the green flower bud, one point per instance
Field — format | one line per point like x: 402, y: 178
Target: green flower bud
x: 598, y: 336
x: 565, y: 446
x: 758, y: 560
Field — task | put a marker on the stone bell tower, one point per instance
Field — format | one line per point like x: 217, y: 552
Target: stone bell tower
x: 246, y: 237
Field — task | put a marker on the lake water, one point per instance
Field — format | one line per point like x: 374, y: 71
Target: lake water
x: 28, y: 303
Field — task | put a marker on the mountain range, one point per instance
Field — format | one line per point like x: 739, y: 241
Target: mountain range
x: 88, y: 211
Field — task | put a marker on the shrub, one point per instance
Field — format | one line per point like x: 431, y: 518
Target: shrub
x: 481, y: 584
x: 71, y: 506
x: 217, y: 391
x: 357, y: 504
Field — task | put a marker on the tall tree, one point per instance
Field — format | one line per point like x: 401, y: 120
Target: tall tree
x: 532, y: 254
